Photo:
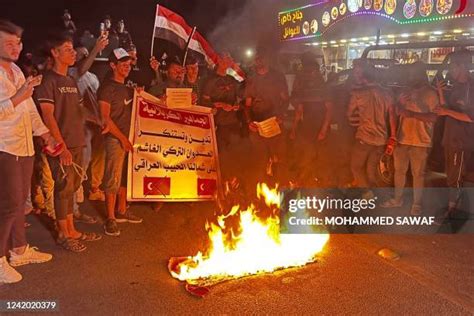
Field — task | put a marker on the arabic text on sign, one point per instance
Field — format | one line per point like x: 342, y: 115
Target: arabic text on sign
x: 291, y: 17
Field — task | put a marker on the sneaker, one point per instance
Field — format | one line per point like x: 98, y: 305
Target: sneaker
x: 127, y: 217
x: 97, y: 195
x: 83, y: 218
x: 444, y: 217
x: 31, y: 255
x: 7, y: 273
x: 368, y: 195
x: 392, y: 203
x: 111, y: 228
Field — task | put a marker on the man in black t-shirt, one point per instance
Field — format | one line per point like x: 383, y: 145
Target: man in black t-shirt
x: 61, y: 107
x: 115, y: 102
x: 266, y: 96
x: 310, y: 129
x: 458, y: 136
x: 221, y: 92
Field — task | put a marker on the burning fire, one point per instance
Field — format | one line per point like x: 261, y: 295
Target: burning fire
x: 257, y: 246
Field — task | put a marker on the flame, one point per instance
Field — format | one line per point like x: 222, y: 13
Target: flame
x: 257, y: 247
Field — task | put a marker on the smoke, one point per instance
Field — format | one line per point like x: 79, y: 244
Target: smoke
x: 252, y: 26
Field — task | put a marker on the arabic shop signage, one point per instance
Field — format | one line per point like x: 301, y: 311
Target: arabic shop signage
x: 313, y: 20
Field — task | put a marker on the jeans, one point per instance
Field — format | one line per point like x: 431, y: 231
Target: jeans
x: 456, y: 160
x: 415, y: 157
x: 228, y: 144
x: 115, y: 174
x: 97, y: 160
x: 15, y: 175
x: 94, y: 158
x: 42, y: 181
x: 66, y: 181
x: 364, y: 161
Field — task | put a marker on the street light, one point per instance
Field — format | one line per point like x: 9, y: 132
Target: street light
x: 249, y: 53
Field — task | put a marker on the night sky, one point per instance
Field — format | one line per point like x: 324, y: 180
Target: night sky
x: 40, y: 18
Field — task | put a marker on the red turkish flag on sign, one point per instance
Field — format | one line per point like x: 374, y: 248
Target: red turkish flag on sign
x: 206, y: 186
x: 156, y: 186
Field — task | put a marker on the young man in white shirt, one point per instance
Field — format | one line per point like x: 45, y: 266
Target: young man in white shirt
x: 19, y: 121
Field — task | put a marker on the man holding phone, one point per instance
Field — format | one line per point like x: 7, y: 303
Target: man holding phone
x: 19, y: 121
x: 458, y: 108
x: 62, y: 111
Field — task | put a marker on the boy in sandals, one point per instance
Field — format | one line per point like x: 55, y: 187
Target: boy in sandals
x: 61, y: 107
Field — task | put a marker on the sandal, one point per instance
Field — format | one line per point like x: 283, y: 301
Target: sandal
x: 71, y: 244
x: 89, y: 237
x: 392, y: 203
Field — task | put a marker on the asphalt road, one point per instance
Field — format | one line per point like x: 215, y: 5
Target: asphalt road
x: 128, y: 275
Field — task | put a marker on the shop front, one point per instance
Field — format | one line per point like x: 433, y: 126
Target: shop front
x: 340, y: 30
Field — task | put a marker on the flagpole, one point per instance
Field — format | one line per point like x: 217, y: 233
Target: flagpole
x: 154, y: 28
x: 187, y: 46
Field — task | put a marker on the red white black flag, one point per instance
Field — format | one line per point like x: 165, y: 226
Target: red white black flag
x: 172, y: 27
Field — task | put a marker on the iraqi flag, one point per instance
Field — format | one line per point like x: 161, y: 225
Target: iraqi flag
x: 172, y: 27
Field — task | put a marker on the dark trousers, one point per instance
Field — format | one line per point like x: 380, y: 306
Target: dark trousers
x: 15, y: 182
x: 66, y: 181
x: 364, y: 161
x: 229, y: 147
x: 456, y: 161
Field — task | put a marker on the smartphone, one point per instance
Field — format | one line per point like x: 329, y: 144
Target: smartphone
x: 36, y: 80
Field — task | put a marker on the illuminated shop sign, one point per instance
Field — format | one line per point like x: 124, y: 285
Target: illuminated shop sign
x: 315, y: 19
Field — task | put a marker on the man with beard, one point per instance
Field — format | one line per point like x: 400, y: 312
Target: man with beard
x: 174, y: 78
x: 19, y: 121
x: 193, y: 79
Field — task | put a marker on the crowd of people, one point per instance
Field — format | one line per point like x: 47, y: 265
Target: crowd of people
x: 69, y: 117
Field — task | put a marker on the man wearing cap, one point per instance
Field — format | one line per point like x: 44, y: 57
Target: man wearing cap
x: 115, y: 102
x: 140, y: 77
